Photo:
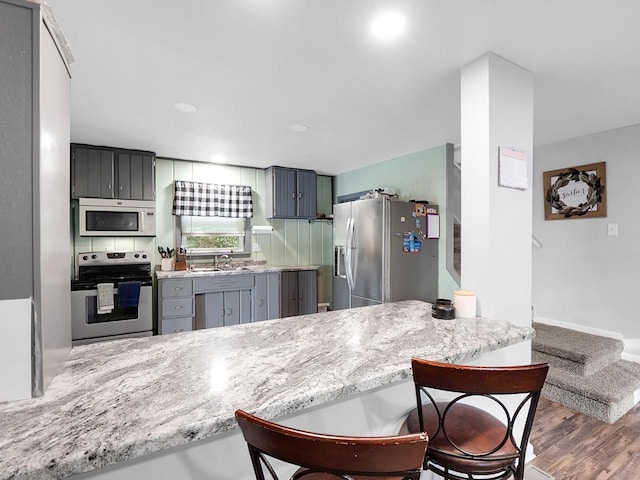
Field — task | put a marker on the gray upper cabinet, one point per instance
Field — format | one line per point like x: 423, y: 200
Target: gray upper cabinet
x: 136, y: 173
x: 92, y: 172
x: 290, y: 193
x: 102, y: 172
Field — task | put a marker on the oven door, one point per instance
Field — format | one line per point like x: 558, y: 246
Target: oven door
x: 86, y: 322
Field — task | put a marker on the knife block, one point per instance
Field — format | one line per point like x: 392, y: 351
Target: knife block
x: 181, y: 262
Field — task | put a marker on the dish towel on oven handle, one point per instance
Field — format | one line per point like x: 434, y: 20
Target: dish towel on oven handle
x: 128, y: 294
x: 105, y: 297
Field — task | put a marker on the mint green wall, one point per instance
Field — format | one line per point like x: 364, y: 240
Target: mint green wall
x: 291, y: 243
x: 420, y: 176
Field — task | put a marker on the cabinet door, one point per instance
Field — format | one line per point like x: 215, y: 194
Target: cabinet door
x: 92, y: 173
x: 237, y: 307
x: 136, y: 176
x: 307, y: 292
x: 306, y: 194
x: 288, y: 294
x: 273, y: 295
x: 214, y: 313
x: 267, y: 297
x: 231, y: 307
x: 245, y: 306
x: 284, y: 193
x: 260, y: 299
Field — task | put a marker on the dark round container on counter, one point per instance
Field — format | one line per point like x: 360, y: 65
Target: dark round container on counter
x: 443, y: 309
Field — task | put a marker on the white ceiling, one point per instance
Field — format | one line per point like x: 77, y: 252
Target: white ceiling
x: 254, y: 67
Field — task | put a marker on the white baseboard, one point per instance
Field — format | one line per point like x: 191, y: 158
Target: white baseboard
x: 631, y: 350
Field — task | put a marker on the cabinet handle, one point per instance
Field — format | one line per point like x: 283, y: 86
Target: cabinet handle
x: 293, y: 194
x: 178, y: 330
x: 260, y: 302
x: 301, y: 296
x: 222, y: 313
x: 109, y: 185
x: 178, y: 307
x: 300, y: 195
x: 229, y: 312
x: 120, y: 187
x: 177, y: 289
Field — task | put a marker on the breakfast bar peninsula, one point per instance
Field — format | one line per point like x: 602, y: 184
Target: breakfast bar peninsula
x: 163, y: 407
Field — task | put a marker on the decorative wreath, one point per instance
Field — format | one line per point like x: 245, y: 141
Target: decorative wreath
x: 594, y: 195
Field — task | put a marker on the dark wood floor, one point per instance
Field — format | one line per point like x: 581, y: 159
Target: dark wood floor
x: 570, y: 445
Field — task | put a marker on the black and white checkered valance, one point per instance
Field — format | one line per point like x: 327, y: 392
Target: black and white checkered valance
x: 212, y: 200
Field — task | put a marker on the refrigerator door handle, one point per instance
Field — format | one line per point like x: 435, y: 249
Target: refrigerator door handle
x: 353, y: 246
x: 347, y: 254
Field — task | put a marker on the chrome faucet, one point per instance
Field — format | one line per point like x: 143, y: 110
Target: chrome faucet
x: 224, y: 256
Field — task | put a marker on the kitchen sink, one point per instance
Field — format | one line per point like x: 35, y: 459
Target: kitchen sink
x: 204, y: 269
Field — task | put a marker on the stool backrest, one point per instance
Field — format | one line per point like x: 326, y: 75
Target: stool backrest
x: 336, y: 456
x: 473, y: 433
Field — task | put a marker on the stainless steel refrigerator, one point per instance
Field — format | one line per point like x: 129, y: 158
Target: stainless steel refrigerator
x: 384, y: 251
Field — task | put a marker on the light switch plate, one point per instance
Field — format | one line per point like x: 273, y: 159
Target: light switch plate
x: 256, y: 247
x: 612, y: 229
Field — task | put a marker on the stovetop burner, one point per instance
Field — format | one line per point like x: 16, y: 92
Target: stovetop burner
x: 111, y: 267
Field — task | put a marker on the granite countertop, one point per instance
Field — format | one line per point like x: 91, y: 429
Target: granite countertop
x: 114, y: 401
x: 240, y: 270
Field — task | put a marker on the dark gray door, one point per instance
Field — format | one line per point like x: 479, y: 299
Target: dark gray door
x: 93, y: 173
x: 307, y: 292
x: 288, y: 294
x: 284, y: 193
x: 135, y: 176
x: 307, y: 194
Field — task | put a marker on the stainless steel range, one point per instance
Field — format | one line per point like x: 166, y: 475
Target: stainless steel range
x: 119, y: 311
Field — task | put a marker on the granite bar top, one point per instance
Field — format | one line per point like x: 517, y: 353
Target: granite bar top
x: 114, y: 401
x: 241, y: 270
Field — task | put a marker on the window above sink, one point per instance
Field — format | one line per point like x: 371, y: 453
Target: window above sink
x: 214, y: 235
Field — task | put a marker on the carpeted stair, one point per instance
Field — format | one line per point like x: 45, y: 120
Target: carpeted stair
x: 586, y: 372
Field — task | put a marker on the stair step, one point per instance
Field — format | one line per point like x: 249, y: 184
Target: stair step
x: 606, y: 395
x: 577, y: 352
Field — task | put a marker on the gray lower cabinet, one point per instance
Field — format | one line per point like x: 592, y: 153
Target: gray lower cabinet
x: 298, y: 292
x: 175, y: 305
x: 219, y: 309
x: 267, y: 296
x: 219, y: 300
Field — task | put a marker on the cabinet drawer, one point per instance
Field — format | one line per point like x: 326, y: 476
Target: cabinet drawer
x: 223, y: 282
x: 174, y: 325
x: 177, y: 307
x: 176, y: 288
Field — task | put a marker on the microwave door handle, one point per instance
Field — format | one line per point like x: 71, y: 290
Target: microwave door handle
x: 141, y: 221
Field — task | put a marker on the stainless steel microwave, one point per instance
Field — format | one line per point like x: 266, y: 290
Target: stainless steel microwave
x: 101, y: 217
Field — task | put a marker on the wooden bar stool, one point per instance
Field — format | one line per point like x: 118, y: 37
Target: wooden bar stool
x: 331, y: 457
x: 467, y: 442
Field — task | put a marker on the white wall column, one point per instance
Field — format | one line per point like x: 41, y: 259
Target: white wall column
x: 496, y: 111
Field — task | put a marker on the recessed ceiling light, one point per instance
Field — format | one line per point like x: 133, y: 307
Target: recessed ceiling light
x: 218, y: 158
x: 297, y: 127
x: 388, y: 25
x: 185, y: 107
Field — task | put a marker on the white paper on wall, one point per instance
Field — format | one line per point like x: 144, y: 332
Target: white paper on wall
x: 513, y: 169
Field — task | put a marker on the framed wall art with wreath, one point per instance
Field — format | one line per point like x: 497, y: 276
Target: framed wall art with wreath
x: 575, y: 192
